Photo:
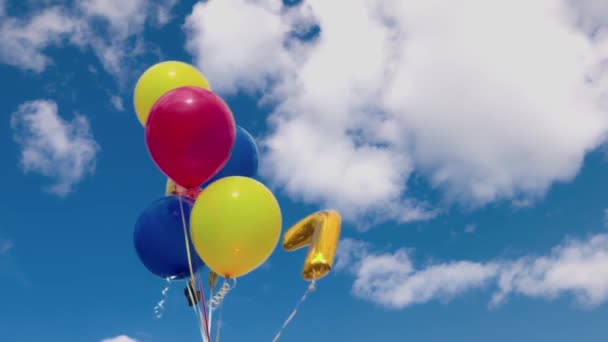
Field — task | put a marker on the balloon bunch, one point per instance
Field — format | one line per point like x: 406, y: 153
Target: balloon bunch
x: 214, y: 212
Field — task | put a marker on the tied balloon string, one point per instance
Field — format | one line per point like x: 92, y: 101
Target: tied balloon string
x: 295, y: 310
x: 160, y: 306
x: 218, y: 298
x: 203, y: 304
x: 219, y: 323
x: 210, y: 318
x: 202, y: 320
x: 197, y: 313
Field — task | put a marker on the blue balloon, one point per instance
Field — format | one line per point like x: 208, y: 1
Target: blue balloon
x: 243, y: 158
x: 159, y: 238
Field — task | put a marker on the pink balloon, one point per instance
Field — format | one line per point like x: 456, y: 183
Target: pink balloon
x: 190, y: 133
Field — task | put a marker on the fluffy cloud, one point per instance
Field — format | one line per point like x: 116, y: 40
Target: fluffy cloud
x: 119, y: 20
x: 112, y: 29
x: 64, y: 151
x: 576, y: 267
x: 24, y: 40
x: 119, y: 13
x: 121, y: 338
x: 239, y: 43
x: 485, y: 110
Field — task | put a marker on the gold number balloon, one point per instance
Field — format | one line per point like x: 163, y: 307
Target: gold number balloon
x: 321, y: 232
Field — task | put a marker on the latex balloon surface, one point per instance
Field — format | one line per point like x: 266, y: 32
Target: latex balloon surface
x: 161, y: 78
x: 243, y: 162
x: 159, y: 238
x: 236, y: 225
x: 243, y: 158
x: 189, y: 134
x: 321, y: 233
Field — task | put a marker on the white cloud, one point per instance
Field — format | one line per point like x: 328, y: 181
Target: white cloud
x: 163, y: 11
x: 392, y: 280
x: 24, y: 40
x: 576, y: 267
x: 120, y: 14
x: 238, y: 42
x: 117, y: 103
x: 484, y: 109
x: 121, y: 338
x: 61, y: 150
x: 122, y: 22
x: 112, y: 29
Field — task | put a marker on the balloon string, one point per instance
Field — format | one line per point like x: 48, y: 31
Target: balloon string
x: 219, y: 322
x: 160, y: 306
x: 197, y: 314
x: 218, y: 298
x: 203, y: 304
x: 210, y: 319
x: 295, y: 310
x: 203, y: 320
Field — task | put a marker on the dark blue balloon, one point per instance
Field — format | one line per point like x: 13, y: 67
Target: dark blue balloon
x: 159, y: 238
x: 243, y: 158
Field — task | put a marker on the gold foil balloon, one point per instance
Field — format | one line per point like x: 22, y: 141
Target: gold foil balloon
x: 321, y: 232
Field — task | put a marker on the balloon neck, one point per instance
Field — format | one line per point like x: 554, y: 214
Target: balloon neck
x: 189, y: 193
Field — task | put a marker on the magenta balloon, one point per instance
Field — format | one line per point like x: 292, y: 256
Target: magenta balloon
x: 190, y: 133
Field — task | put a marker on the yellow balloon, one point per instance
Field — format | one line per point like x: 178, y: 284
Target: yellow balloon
x: 235, y: 225
x: 161, y: 78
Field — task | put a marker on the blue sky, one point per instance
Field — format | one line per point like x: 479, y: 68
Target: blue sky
x: 464, y: 146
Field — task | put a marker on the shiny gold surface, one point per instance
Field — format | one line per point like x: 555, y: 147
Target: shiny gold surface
x: 321, y: 232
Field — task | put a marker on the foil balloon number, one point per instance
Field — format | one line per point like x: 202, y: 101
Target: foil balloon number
x: 321, y: 232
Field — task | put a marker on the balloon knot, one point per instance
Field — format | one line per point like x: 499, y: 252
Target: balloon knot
x: 191, y: 194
